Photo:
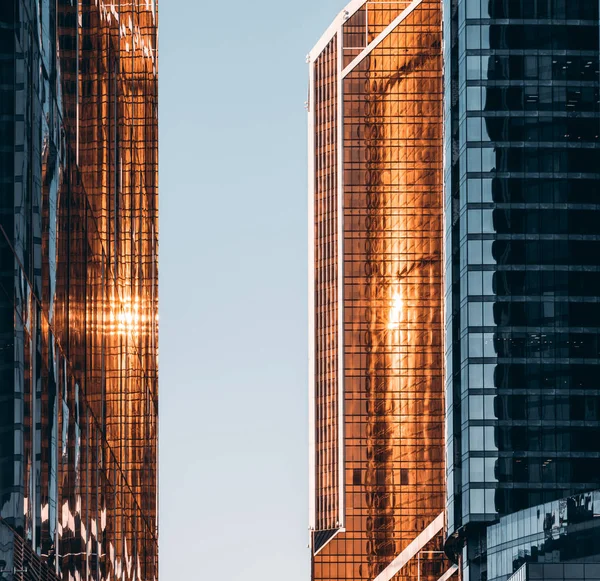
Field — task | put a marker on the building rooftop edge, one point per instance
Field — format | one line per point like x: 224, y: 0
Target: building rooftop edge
x: 352, y: 7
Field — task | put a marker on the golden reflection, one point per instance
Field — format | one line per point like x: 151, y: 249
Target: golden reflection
x: 391, y: 243
x: 111, y: 102
x: 395, y: 312
x: 128, y: 317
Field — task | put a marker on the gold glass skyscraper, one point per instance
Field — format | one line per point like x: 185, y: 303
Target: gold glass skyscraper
x: 78, y: 290
x: 375, y: 292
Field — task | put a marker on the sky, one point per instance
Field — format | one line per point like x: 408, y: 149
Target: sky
x: 233, y: 276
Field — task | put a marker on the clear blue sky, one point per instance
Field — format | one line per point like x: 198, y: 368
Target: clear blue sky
x: 233, y: 351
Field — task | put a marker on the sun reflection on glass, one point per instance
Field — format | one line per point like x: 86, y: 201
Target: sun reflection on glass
x: 395, y: 312
x: 128, y: 316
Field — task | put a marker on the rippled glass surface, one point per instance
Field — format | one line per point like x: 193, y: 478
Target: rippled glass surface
x: 78, y: 286
x: 389, y: 238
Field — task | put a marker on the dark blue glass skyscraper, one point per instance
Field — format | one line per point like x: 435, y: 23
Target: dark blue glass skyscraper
x: 522, y: 303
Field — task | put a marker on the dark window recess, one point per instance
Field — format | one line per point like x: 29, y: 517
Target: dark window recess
x: 404, y: 476
x: 559, y: 191
x: 544, y: 37
x: 571, y: 10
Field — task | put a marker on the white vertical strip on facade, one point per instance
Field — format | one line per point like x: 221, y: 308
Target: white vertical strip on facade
x: 77, y: 51
x: 311, y: 298
x: 340, y: 260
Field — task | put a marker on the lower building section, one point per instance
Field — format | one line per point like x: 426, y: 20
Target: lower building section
x: 558, y: 572
x: 563, y: 531
x: 354, y: 556
x: 18, y: 562
x: 555, y: 540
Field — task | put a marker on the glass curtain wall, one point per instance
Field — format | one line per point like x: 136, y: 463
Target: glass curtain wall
x: 78, y: 286
x: 376, y: 118
x: 522, y: 262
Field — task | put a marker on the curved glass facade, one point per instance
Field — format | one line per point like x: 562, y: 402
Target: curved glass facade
x: 78, y: 289
x: 376, y: 263
x: 522, y: 263
x: 564, y: 531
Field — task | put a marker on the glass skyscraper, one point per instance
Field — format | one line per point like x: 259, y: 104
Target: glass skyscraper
x: 78, y: 290
x: 522, y: 293
x: 375, y: 231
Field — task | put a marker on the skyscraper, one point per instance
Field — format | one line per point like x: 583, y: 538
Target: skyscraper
x: 78, y: 290
x: 375, y: 231
x: 522, y: 310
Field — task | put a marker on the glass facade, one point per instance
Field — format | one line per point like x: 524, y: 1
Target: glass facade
x: 564, y: 533
x: 326, y: 288
x: 377, y: 456
x: 78, y: 289
x: 558, y: 571
x: 522, y: 179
